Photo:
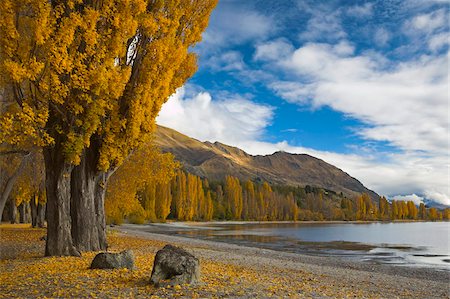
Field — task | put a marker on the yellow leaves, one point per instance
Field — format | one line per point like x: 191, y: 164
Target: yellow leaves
x: 146, y: 166
x: 24, y: 272
x: 72, y: 66
x: 29, y: 123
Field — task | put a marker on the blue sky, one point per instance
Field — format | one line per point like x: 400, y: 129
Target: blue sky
x: 360, y: 84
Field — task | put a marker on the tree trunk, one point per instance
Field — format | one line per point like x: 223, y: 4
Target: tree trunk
x: 27, y: 212
x: 87, y: 203
x: 13, y: 211
x: 6, y: 212
x: 58, y: 173
x: 10, y: 183
x: 34, y: 212
x: 22, y: 213
x: 100, y: 192
x: 40, y: 215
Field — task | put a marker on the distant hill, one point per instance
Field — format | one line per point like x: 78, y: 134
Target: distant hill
x: 216, y: 160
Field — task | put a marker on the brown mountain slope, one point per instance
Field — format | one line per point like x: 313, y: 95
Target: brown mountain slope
x: 216, y: 160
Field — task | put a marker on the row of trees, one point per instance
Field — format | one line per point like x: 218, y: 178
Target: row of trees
x: 184, y: 196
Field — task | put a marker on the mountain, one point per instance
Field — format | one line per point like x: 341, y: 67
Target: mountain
x: 216, y: 160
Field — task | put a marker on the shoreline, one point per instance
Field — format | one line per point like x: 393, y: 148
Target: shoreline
x: 253, y: 256
x: 227, y: 271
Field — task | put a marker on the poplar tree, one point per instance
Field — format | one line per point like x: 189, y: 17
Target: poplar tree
x: 88, y: 78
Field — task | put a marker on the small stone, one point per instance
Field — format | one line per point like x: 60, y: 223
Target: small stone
x: 108, y: 260
x: 175, y: 265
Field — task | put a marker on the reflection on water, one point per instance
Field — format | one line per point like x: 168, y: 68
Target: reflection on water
x: 415, y: 243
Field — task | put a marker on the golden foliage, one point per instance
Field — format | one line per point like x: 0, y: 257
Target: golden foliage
x: 146, y: 166
x: 72, y: 70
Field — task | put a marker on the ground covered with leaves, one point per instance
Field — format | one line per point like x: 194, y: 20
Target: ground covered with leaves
x: 25, y: 273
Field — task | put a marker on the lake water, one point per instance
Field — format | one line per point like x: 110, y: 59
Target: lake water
x: 423, y: 244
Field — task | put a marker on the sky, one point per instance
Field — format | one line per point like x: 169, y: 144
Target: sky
x: 362, y: 85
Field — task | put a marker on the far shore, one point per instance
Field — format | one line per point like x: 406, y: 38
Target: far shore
x: 238, y: 222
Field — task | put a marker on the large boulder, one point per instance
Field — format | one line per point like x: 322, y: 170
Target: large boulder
x: 173, y: 266
x: 108, y: 260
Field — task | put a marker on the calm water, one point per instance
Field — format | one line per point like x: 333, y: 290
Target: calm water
x: 417, y: 244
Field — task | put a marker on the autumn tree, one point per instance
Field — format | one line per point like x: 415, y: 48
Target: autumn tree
x: 88, y: 78
x: 422, y: 211
x: 233, y: 197
x: 132, y: 188
x: 12, y: 166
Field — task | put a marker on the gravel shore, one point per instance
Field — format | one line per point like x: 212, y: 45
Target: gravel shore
x: 364, y: 278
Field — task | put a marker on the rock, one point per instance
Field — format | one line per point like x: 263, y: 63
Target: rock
x: 108, y: 260
x: 175, y: 265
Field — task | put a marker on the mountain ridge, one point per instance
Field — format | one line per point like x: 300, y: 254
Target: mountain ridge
x: 215, y: 161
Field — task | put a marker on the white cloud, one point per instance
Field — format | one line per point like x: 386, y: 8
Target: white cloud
x: 429, y: 22
x: 412, y: 197
x: 382, y: 37
x: 438, y: 41
x: 406, y: 105
x: 361, y: 11
x: 273, y: 50
x: 226, y: 61
x: 230, y: 25
x: 324, y: 24
x: 230, y: 119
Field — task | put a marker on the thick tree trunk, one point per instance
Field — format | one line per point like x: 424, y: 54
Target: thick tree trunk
x: 58, y: 173
x: 87, y: 210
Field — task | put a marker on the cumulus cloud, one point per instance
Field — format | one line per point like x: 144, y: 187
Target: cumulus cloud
x: 229, y: 119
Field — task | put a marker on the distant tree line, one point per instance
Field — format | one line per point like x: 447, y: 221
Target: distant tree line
x: 187, y: 197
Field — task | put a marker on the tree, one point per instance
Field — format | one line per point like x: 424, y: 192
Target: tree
x: 12, y: 166
x: 88, y: 78
x: 133, y: 186
x: 233, y: 197
x: 422, y: 211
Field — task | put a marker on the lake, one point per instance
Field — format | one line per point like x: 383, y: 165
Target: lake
x: 422, y: 244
